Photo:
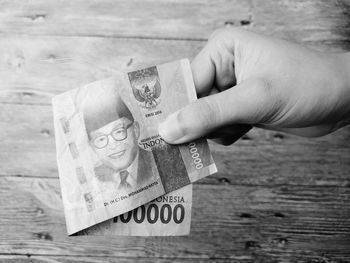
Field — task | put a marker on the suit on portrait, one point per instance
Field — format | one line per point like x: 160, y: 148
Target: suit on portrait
x: 146, y: 171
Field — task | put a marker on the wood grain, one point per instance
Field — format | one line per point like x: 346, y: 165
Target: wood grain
x: 42, y: 54
x: 299, y: 20
x: 161, y: 19
x: 228, y: 222
x: 35, y: 68
x: 261, y: 158
x: 276, y: 198
x: 29, y: 258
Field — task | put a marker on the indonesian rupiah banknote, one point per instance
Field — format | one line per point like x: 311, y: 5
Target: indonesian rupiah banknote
x: 167, y: 215
x: 110, y: 156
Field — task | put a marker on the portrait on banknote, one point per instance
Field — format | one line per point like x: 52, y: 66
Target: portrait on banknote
x: 113, y: 135
x: 105, y: 171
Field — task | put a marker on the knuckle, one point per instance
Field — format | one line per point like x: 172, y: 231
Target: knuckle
x: 218, y: 33
x: 219, y: 37
x: 226, y: 36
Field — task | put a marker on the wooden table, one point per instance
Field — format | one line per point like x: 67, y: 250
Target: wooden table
x: 276, y: 197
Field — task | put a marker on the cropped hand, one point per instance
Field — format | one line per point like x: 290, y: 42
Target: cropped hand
x: 245, y: 79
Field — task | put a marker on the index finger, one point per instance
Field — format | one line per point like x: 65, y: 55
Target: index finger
x: 203, y: 72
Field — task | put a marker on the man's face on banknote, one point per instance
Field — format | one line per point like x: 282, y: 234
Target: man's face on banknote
x: 116, y: 143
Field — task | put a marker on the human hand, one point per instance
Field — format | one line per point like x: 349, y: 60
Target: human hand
x: 244, y: 79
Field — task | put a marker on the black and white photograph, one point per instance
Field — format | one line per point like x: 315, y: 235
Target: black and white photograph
x: 175, y: 131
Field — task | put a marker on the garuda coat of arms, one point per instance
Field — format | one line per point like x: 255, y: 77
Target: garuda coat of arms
x: 148, y: 93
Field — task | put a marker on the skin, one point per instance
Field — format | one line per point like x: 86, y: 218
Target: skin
x: 246, y: 79
x: 118, y: 155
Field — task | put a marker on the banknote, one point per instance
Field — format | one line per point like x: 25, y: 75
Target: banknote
x: 110, y: 156
x: 167, y: 215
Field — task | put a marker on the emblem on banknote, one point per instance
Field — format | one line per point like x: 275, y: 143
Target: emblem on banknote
x: 146, y: 86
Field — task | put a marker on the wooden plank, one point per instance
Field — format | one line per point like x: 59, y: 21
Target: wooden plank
x: 299, y: 20
x: 229, y: 222
x: 30, y: 258
x: 304, y: 21
x: 81, y: 259
x: 262, y: 158
x: 33, y: 69
x: 163, y: 19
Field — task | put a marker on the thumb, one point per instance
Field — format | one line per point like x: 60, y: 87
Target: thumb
x: 247, y: 103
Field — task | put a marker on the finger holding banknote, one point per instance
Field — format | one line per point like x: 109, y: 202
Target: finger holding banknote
x: 110, y: 156
x: 246, y: 78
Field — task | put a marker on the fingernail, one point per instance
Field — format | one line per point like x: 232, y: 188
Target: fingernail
x: 169, y: 129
